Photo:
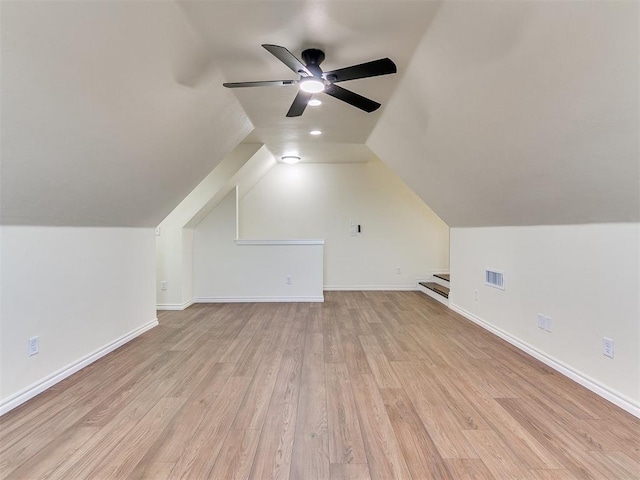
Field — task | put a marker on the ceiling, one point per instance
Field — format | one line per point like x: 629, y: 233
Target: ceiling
x: 521, y: 113
x: 349, y: 32
x: 502, y: 112
x: 100, y: 126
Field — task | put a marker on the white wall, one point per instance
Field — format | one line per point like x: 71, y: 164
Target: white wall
x: 224, y: 270
x: 81, y: 290
x: 320, y: 200
x: 585, y: 277
x: 244, y: 166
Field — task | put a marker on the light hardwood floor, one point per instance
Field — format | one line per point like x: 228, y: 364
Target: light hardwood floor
x: 368, y: 385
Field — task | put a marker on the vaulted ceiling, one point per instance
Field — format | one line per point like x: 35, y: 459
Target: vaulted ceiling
x: 502, y: 113
x: 521, y: 113
x: 349, y: 33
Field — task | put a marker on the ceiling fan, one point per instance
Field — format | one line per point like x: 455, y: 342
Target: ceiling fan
x: 314, y: 80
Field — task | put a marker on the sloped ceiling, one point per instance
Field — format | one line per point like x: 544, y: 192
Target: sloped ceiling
x: 502, y: 113
x: 521, y: 113
x: 101, y: 124
x: 113, y: 111
x: 349, y: 32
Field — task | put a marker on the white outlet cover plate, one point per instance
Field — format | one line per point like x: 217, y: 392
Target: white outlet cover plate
x: 32, y: 346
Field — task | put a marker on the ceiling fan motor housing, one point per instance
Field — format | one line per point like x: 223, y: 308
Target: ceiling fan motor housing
x: 313, y: 58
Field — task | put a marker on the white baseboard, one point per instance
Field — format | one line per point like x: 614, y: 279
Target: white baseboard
x: 596, y: 387
x: 31, y: 391
x: 257, y: 299
x: 434, y: 295
x: 175, y: 306
x: 347, y: 288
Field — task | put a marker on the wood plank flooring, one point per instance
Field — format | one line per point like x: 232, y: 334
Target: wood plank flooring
x: 366, y: 386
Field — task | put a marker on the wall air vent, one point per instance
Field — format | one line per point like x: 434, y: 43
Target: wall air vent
x: 494, y: 278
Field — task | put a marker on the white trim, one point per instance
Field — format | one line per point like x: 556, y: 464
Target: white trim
x: 596, y: 387
x: 434, y: 295
x: 40, y: 386
x: 280, y: 242
x: 433, y: 272
x: 257, y: 299
x: 175, y: 306
x: 328, y: 288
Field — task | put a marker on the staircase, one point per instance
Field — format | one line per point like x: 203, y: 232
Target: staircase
x: 437, y: 287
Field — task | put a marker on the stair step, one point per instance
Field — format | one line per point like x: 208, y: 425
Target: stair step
x: 443, y: 276
x: 436, y: 287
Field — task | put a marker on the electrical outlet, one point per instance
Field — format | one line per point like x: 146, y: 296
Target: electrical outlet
x: 157, y: 231
x: 477, y: 296
x: 163, y: 285
x: 32, y: 346
x: 398, y: 270
x: 607, y: 346
x: 287, y: 280
x: 544, y: 322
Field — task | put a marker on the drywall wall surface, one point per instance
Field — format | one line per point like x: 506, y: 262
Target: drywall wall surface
x: 585, y: 277
x: 78, y: 289
x: 187, y: 264
x: 213, y: 183
x: 521, y: 113
x: 250, y: 172
x: 226, y: 271
x: 244, y: 166
x: 170, y: 256
x: 173, y: 241
x: 398, y: 231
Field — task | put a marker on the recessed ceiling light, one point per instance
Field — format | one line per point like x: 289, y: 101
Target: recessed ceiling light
x: 311, y: 85
x: 315, y: 132
x: 290, y: 159
x: 314, y: 102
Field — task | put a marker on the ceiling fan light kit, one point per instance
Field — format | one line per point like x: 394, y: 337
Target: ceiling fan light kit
x: 311, y: 85
x: 314, y: 80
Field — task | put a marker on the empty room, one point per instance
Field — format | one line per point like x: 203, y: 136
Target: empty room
x: 330, y: 239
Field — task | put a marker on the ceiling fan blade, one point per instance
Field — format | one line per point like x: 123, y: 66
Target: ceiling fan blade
x: 358, y: 101
x: 286, y: 57
x: 266, y: 83
x: 299, y: 104
x: 383, y: 66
